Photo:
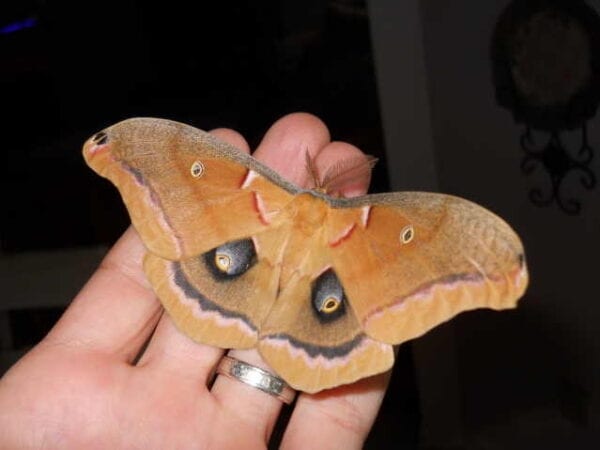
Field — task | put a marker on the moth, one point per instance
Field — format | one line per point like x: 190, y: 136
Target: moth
x: 323, y: 287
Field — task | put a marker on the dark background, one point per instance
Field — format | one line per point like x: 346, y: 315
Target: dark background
x: 85, y: 65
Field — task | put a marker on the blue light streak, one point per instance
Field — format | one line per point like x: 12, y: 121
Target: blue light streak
x: 19, y: 25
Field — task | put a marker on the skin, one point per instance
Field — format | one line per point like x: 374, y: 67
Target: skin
x: 83, y: 386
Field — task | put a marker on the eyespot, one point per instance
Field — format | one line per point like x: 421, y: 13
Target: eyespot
x: 99, y: 138
x: 222, y: 262
x: 197, y: 169
x: 330, y: 305
x: 328, y: 298
x: 231, y: 259
x: 407, y: 234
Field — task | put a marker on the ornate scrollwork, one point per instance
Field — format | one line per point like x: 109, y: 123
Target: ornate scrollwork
x: 560, y: 164
x: 546, y: 66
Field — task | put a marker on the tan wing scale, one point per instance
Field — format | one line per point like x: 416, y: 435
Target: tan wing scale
x: 460, y: 257
x: 177, y: 182
x: 322, y: 286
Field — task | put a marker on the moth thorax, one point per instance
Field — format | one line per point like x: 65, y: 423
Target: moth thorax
x: 312, y: 210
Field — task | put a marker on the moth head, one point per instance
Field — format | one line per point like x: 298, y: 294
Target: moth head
x: 352, y: 170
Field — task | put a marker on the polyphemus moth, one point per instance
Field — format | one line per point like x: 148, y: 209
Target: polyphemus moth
x: 322, y: 286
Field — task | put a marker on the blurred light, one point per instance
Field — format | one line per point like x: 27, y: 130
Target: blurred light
x: 19, y: 25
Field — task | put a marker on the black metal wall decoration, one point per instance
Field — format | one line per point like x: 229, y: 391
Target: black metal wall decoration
x: 546, y: 69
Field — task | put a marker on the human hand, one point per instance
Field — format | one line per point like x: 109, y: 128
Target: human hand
x: 85, y: 385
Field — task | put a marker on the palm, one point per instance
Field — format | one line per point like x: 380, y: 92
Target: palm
x: 93, y: 401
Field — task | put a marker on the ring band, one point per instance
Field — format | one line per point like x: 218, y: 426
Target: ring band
x: 256, y: 377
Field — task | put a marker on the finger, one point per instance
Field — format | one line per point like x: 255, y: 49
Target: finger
x: 336, y: 152
x: 116, y: 310
x: 252, y: 407
x: 231, y: 137
x: 284, y: 149
x: 343, y: 416
x: 169, y: 349
x: 285, y: 145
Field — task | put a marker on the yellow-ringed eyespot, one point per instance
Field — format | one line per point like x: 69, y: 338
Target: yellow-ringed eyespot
x: 230, y: 259
x: 330, y: 305
x: 328, y: 298
x: 222, y: 262
x: 407, y: 234
x: 197, y: 169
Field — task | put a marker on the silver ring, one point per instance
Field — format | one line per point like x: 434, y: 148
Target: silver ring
x: 256, y: 377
